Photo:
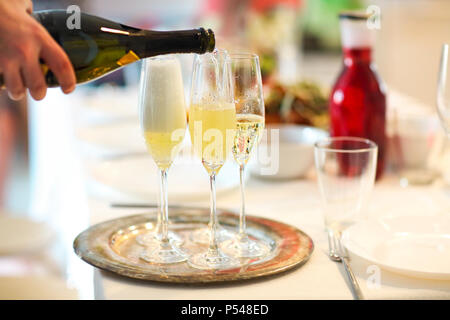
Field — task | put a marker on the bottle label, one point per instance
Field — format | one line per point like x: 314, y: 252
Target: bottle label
x: 128, y: 58
x: 44, y: 69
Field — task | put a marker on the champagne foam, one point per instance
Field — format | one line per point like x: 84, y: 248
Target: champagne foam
x: 163, y: 94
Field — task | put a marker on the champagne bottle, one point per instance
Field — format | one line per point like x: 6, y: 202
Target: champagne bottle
x: 101, y: 46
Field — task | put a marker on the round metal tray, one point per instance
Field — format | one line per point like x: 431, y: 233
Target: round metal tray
x: 111, y: 246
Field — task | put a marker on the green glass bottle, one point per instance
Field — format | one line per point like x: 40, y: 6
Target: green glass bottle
x: 100, y: 46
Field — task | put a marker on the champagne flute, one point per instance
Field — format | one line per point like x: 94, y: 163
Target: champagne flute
x: 443, y: 90
x: 249, y: 103
x: 208, y: 86
x: 212, y: 118
x: 163, y: 122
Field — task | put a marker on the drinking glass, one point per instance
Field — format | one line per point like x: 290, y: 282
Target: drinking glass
x: 207, y: 73
x: 415, y: 148
x: 163, y: 122
x: 249, y: 103
x: 346, y: 168
x: 212, y: 123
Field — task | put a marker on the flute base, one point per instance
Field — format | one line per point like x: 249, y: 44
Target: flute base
x: 244, y: 247
x: 165, y: 253
x: 201, y: 236
x: 213, y: 259
x: 153, y: 238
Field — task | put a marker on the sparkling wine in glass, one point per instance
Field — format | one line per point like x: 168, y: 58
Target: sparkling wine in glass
x: 207, y: 104
x: 249, y: 103
x: 163, y: 123
x: 212, y: 123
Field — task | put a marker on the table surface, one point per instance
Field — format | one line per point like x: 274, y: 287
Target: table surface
x: 297, y: 203
x: 61, y: 194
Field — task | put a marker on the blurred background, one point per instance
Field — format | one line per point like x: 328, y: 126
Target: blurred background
x: 298, y: 42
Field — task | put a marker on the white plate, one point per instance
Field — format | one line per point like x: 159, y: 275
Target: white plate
x: 21, y: 235
x: 288, y: 155
x: 110, y: 139
x: 417, y: 246
x: 35, y: 288
x: 137, y: 176
x: 107, y: 104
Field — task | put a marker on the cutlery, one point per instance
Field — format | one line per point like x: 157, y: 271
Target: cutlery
x: 338, y: 253
x: 153, y: 205
x: 121, y: 155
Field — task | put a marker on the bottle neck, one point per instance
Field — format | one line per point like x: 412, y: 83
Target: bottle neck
x: 357, y: 56
x: 151, y: 43
x: 357, y: 41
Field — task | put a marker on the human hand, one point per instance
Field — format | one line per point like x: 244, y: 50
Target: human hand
x: 23, y: 41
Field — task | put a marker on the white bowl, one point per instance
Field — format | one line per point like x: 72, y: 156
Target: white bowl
x: 286, y: 151
x: 413, y: 141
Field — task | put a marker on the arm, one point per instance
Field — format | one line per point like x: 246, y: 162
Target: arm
x: 23, y: 41
x: 7, y: 144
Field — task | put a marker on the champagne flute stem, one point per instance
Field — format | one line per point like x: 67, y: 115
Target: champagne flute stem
x: 164, y: 209
x: 242, y: 224
x: 213, y: 216
x: 158, y: 227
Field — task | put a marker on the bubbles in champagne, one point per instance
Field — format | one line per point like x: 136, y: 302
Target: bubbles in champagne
x: 163, y: 114
x: 163, y: 91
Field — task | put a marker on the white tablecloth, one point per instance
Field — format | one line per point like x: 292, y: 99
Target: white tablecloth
x: 297, y: 203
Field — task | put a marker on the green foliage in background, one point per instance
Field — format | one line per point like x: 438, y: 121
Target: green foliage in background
x: 321, y: 22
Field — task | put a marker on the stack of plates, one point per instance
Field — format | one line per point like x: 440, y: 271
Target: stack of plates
x: 22, y: 238
x: 106, y: 105
x: 137, y: 176
x: 112, y: 139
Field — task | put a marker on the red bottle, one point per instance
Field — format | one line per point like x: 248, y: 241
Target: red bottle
x: 358, y: 100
